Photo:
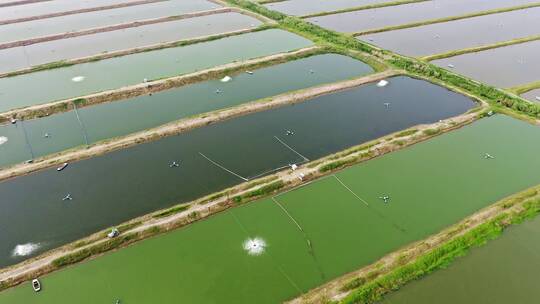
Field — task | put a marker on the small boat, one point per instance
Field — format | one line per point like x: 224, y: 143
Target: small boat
x: 451, y: 66
x: 29, y: 161
x: 62, y: 167
x: 382, y: 83
x: 249, y: 72
x: 114, y: 233
x: 36, y: 285
x: 538, y: 98
x: 13, y: 120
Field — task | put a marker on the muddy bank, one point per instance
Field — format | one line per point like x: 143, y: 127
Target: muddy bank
x: 185, y: 125
x: 80, y: 11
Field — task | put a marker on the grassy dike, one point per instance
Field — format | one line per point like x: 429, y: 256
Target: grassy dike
x: 519, y: 208
x: 496, y: 97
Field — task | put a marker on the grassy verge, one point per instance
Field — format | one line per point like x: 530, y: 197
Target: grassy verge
x: 171, y: 211
x: 367, y: 291
x: 363, y: 7
x: 525, y: 88
x: 446, y: 19
x: 480, y: 48
x: 262, y: 191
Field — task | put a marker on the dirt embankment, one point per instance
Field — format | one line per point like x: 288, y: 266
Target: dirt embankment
x: 79, y: 11
x: 114, y: 27
x: 184, y: 125
x: 214, y: 203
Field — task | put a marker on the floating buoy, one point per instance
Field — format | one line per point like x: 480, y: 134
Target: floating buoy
x: 226, y: 79
x: 382, y: 83
x: 77, y: 78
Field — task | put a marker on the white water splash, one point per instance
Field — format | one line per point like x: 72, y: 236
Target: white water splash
x: 3, y: 140
x: 255, y: 246
x: 77, y: 78
x: 25, y: 249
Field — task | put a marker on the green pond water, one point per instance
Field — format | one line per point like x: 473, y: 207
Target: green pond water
x: 61, y: 83
x: 503, y: 271
x: 123, y: 117
x: 344, y: 226
x: 89, y: 45
x: 78, y: 22
x: 124, y: 184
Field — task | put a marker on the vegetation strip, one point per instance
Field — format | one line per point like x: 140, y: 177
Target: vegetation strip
x: 115, y: 27
x: 184, y: 125
x: 20, y: 2
x: 361, y: 8
x: 480, y: 48
x: 525, y: 88
x: 181, y: 215
x: 80, y: 11
x: 446, y: 19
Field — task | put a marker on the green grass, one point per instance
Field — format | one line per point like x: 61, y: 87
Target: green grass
x: 262, y: 191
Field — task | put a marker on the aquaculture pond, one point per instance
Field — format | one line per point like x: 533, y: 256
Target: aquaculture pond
x: 364, y: 20
x: 81, y: 79
x: 83, y: 46
x: 449, y: 36
x: 504, y: 67
x: 53, y: 7
x: 119, y: 118
x: 533, y: 95
x: 121, y: 185
x: 306, y: 7
x: 503, y: 271
x: 277, y: 248
x: 78, y: 22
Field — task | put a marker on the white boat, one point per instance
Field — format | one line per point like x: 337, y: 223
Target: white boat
x: 451, y: 66
x: 382, y: 83
x: 62, y: 167
x: 114, y: 233
x: 13, y: 120
x: 538, y: 98
x: 36, y: 285
x: 249, y: 72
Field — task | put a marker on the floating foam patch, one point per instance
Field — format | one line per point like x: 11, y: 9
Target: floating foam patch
x: 255, y: 246
x: 25, y: 249
x: 3, y: 140
x: 77, y: 78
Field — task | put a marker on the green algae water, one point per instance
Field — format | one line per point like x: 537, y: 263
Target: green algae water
x: 22, y: 57
x: 277, y: 248
x: 124, y: 184
x: 503, y: 271
x: 82, y: 79
x: 123, y: 117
